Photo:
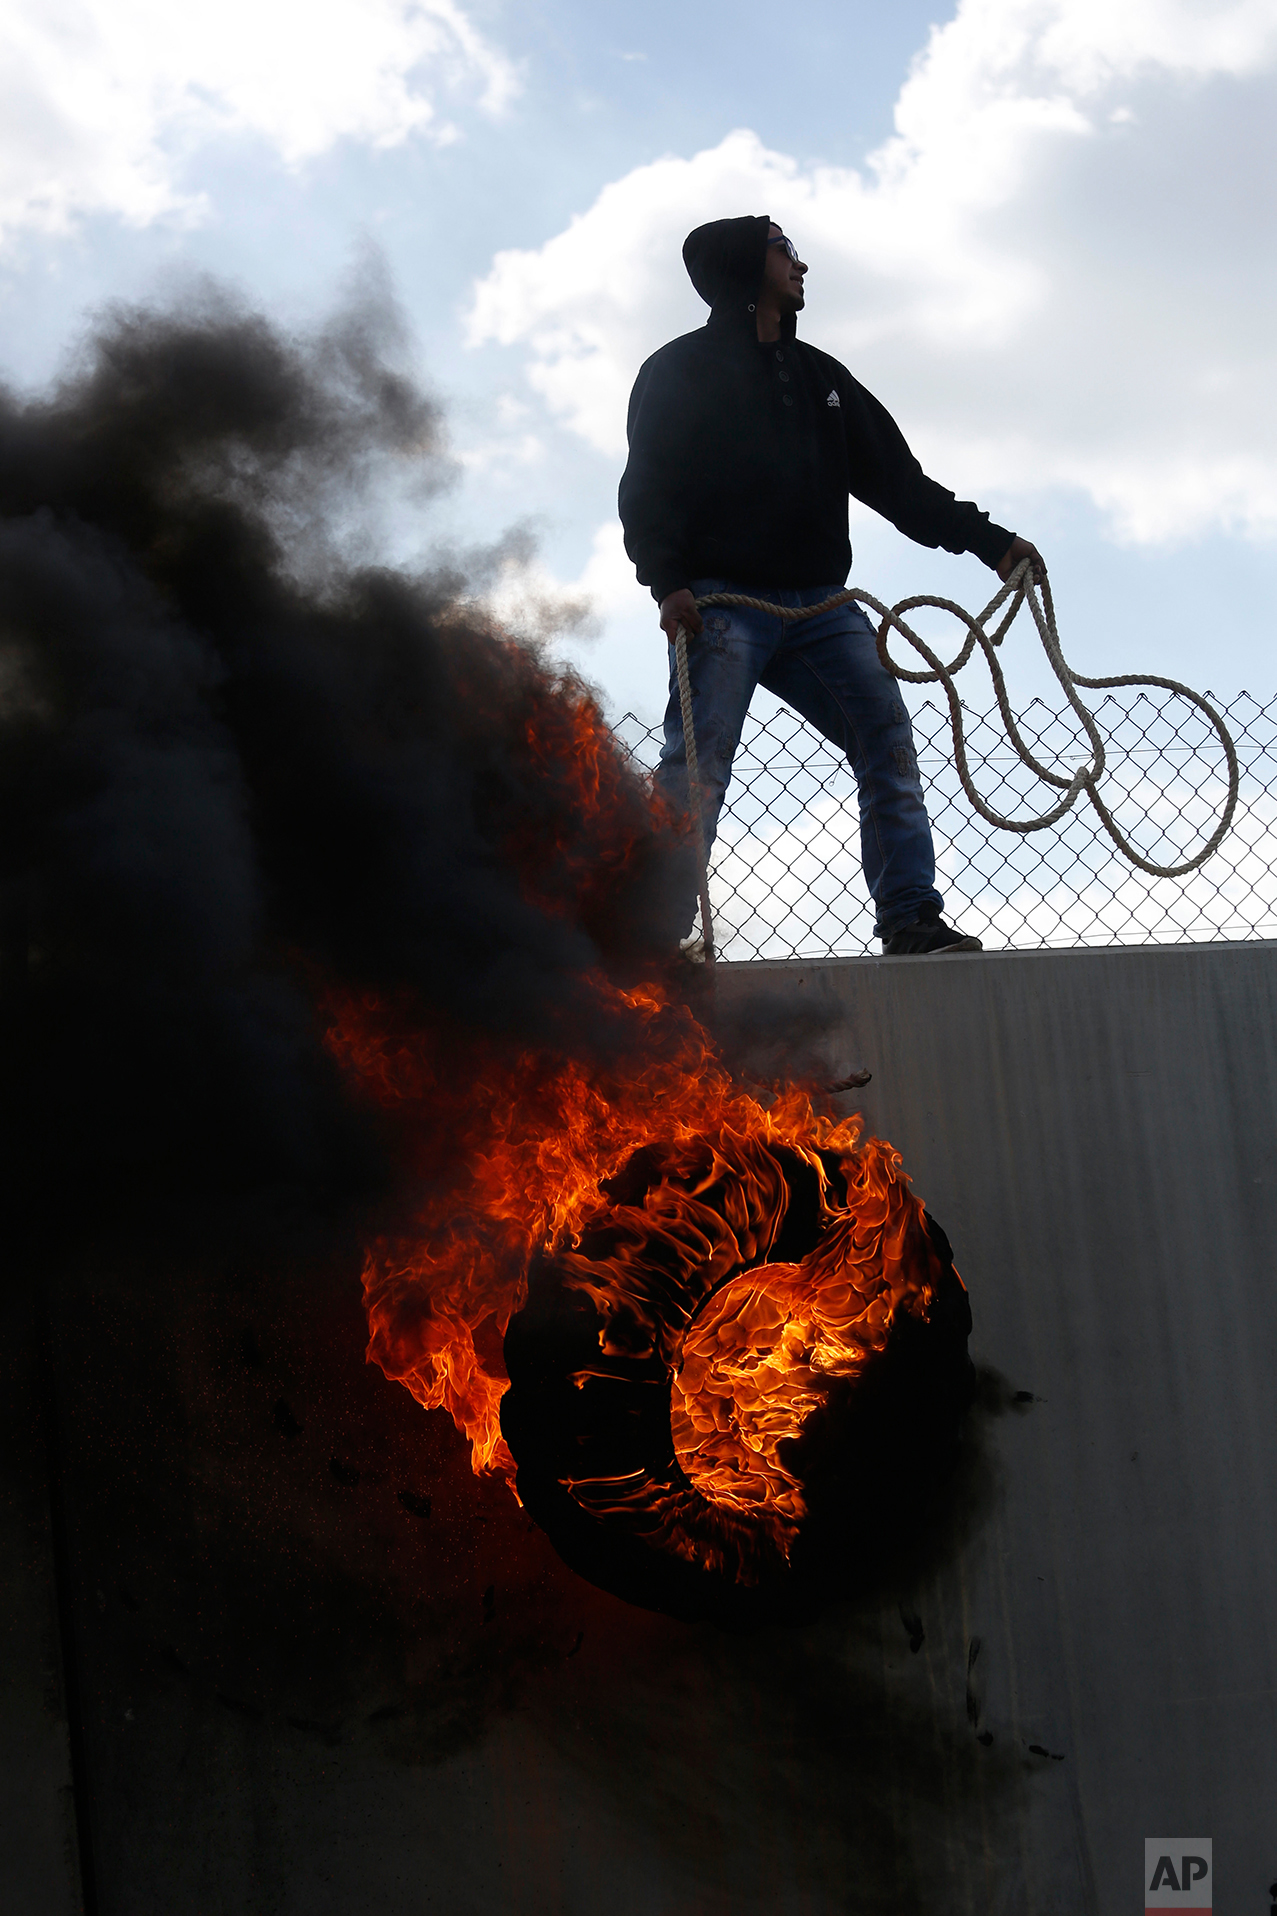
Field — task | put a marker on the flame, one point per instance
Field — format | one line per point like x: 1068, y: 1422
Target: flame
x: 653, y: 1186
x: 759, y: 1357
x: 657, y: 1201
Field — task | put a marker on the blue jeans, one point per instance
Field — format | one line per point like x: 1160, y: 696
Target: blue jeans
x: 828, y: 670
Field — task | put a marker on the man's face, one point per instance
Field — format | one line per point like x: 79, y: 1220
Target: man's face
x: 783, y: 276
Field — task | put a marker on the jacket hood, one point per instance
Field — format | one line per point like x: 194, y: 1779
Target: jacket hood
x: 725, y: 260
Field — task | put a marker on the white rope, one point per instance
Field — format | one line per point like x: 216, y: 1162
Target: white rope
x: 1020, y: 586
x: 694, y: 790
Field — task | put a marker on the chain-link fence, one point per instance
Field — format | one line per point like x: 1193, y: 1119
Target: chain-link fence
x: 785, y: 880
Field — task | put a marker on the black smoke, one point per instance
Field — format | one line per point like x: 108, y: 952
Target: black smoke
x: 239, y: 767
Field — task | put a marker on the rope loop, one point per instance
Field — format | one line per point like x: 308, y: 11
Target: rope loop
x: 1022, y: 587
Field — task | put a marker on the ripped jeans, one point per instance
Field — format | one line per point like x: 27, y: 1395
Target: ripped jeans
x: 829, y: 671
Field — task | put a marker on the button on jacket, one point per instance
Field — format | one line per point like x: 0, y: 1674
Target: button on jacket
x: 742, y: 455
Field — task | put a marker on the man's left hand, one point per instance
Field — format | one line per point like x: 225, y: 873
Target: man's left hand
x: 1017, y: 550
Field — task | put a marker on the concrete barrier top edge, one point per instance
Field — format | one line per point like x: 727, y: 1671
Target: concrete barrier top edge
x: 1065, y: 953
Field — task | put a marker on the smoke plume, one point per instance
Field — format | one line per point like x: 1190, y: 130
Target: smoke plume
x: 239, y: 769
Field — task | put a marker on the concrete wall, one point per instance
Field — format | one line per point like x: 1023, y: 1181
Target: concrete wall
x: 303, y: 1696
x: 1096, y: 1131
x: 39, y: 1861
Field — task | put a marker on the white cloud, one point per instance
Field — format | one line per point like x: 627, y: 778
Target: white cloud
x: 1058, y: 272
x: 607, y: 580
x: 100, y: 99
x: 525, y: 591
x: 602, y: 622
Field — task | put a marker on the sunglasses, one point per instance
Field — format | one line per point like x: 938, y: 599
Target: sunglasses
x: 788, y: 245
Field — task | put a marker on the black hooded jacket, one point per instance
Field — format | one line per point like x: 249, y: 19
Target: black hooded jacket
x: 742, y: 455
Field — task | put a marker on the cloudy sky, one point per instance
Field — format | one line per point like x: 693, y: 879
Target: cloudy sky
x: 1040, y: 230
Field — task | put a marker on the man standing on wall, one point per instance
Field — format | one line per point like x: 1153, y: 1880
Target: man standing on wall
x: 745, y: 443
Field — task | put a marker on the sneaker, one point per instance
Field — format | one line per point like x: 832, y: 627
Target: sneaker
x: 930, y: 936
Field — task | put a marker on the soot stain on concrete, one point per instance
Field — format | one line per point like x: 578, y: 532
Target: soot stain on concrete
x: 286, y: 1596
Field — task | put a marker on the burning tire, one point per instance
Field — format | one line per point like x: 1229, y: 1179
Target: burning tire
x: 737, y: 1383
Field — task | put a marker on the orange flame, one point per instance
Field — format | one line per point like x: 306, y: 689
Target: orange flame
x: 759, y: 1357
x: 514, y: 1154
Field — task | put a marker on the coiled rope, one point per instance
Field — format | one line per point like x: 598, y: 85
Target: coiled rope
x: 1021, y: 586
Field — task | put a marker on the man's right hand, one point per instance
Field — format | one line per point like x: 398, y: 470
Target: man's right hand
x: 1020, y: 549
x: 679, y: 608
